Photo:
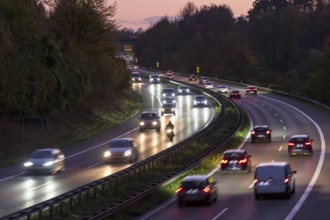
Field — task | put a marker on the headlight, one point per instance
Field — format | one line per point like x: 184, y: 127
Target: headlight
x: 173, y: 94
x: 164, y: 95
x: 28, y: 164
x: 154, y: 123
x: 127, y: 153
x: 49, y: 163
x: 172, y: 109
x: 142, y: 123
x: 163, y: 109
x: 107, y: 154
x: 195, y: 102
x: 180, y: 90
x: 205, y: 102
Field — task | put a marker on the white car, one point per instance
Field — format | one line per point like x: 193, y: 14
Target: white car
x: 208, y: 85
x: 222, y: 89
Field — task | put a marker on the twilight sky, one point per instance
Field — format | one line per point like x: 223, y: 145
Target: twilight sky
x: 142, y: 13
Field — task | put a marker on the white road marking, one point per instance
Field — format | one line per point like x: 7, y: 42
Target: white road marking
x: 317, y: 172
x: 221, y: 213
x: 284, y: 136
x: 270, y: 109
x: 284, y: 128
x: 33, y: 188
x: 281, y: 121
x: 276, y: 114
x: 280, y: 148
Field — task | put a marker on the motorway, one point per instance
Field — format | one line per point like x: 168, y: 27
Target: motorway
x: 285, y: 116
x: 84, y: 160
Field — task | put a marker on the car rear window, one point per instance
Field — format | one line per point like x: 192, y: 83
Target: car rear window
x: 192, y: 184
x: 260, y: 129
x: 270, y: 172
x: 233, y: 156
x: 299, y: 139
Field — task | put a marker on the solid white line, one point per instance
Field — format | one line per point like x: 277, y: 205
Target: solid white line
x: 281, y: 121
x: 280, y: 148
x: 221, y: 213
x: 318, y: 168
x: 157, y: 209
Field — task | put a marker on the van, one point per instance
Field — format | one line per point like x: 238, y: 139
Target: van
x: 274, y: 178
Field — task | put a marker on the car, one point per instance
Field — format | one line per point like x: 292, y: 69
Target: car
x: 154, y: 78
x: 300, y: 144
x: 193, y: 77
x: 121, y: 150
x: 203, y: 79
x: 135, y: 67
x: 222, y: 89
x: 169, y: 100
x: 251, y: 90
x: 136, y: 77
x: 200, y: 100
x: 235, y: 160
x: 261, y: 133
x: 45, y: 160
x: 168, y: 108
x: 169, y: 74
x: 235, y: 94
x: 149, y: 120
x: 168, y: 92
x: 274, y: 178
x: 208, y: 85
x: 197, y: 188
x: 183, y: 90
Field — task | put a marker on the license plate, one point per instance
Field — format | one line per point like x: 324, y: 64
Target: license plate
x: 233, y: 161
x: 260, y: 135
x: 300, y: 145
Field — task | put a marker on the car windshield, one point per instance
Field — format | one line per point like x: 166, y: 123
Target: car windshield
x: 183, y: 87
x: 41, y: 154
x: 168, y: 90
x: 136, y: 74
x: 199, y: 97
x: 222, y: 87
x: 148, y: 116
x: 118, y: 144
x: 154, y: 76
x: 168, y: 106
x: 230, y: 156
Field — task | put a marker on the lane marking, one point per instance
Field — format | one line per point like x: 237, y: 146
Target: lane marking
x: 276, y: 114
x: 221, y: 213
x: 280, y: 148
x: 281, y: 121
x: 158, y: 209
x: 284, y: 136
x: 317, y: 172
x: 284, y: 128
x: 33, y: 188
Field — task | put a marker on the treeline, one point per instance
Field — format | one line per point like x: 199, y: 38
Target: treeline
x: 283, y: 44
x: 55, y: 54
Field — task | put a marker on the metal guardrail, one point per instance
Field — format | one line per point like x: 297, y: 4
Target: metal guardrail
x: 87, y: 191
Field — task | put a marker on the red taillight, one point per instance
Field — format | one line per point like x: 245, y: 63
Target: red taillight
x: 268, y: 132
x: 179, y: 190
x: 242, y: 161
x: 253, y: 132
x: 255, y: 181
x: 223, y: 161
x: 286, y: 180
x: 206, y: 189
x: 291, y: 144
x: 308, y: 144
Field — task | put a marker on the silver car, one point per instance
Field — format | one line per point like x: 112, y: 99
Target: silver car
x: 121, y: 149
x: 47, y: 160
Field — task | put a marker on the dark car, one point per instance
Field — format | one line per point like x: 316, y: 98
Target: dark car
x: 235, y: 94
x: 149, y: 120
x: 200, y: 100
x: 197, y: 188
x: 183, y: 90
x: 193, y: 77
x: 121, y: 149
x: 136, y: 77
x: 168, y: 108
x: 261, y: 133
x: 237, y: 160
x: 251, y: 90
x: 154, y: 78
x: 169, y: 74
x: 300, y: 144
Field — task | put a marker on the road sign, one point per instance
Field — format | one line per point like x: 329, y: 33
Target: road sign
x: 197, y: 69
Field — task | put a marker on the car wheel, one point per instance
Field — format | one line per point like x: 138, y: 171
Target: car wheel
x: 158, y: 130
x: 253, y: 140
x: 293, y: 190
x: 141, y: 129
x: 179, y: 203
x: 256, y: 196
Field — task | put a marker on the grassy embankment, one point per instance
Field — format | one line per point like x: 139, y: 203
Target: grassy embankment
x: 64, y: 128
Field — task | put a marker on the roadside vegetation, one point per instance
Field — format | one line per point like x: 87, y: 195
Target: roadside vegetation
x: 58, y: 61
